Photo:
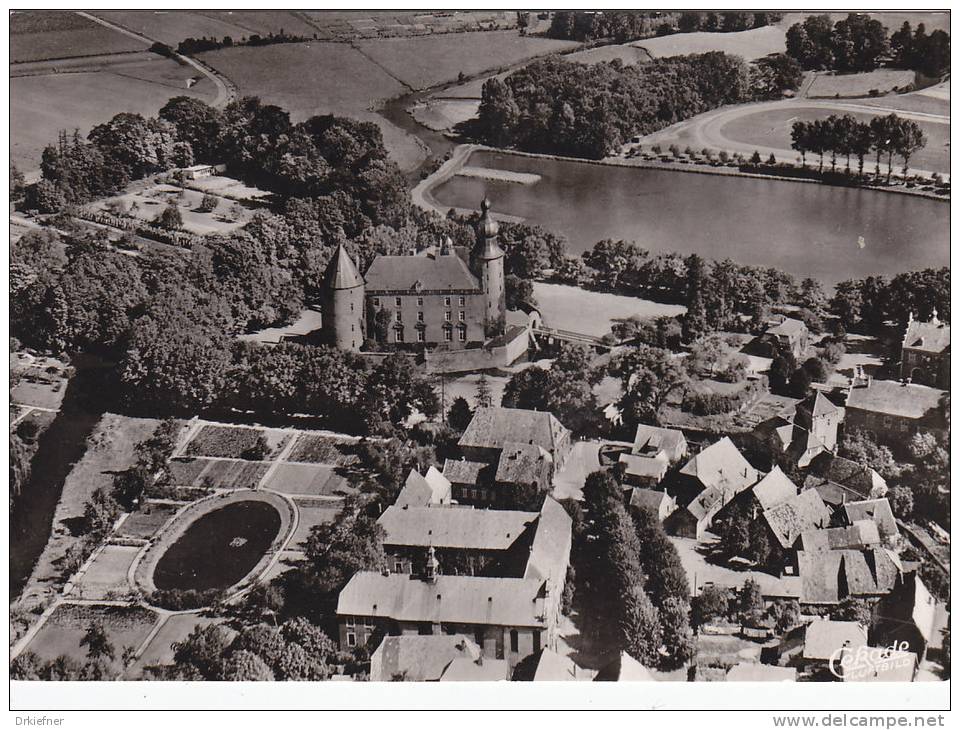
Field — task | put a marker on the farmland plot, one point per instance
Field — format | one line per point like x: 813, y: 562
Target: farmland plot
x: 38, y: 35
x: 233, y: 441
x: 319, y: 449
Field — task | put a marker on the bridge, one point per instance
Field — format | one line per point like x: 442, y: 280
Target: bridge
x: 577, y: 338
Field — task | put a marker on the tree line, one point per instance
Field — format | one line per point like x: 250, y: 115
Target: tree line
x: 846, y: 136
x: 861, y: 43
x: 580, y: 110
x: 624, y: 26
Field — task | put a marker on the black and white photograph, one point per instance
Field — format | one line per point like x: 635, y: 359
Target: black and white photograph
x: 353, y: 346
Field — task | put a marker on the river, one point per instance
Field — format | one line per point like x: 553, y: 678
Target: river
x: 829, y: 233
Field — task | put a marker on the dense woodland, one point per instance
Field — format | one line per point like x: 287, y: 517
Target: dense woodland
x: 625, y: 26
x: 590, y: 110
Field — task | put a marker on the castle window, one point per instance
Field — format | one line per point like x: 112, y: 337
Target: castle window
x: 351, y: 306
x: 463, y: 301
x: 421, y: 336
x: 419, y: 301
x: 399, y: 316
x: 536, y: 641
x: 419, y: 316
x: 462, y: 315
x: 350, y: 621
x: 398, y: 567
x: 446, y: 301
x: 448, y: 316
x: 447, y: 334
x: 463, y: 333
x: 351, y: 639
x: 514, y: 641
x: 376, y: 301
x: 398, y: 334
x: 399, y: 301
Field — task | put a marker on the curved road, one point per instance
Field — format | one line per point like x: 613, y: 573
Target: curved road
x: 706, y: 130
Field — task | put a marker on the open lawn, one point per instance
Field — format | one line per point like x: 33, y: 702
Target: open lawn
x: 110, y: 449
x: 41, y: 381
x: 309, y: 321
x: 62, y: 632
x: 82, y: 96
x: 159, y: 650
x: 880, y: 81
x: 771, y: 127
x: 312, y: 512
x: 749, y: 44
x: 106, y: 578
x: 308, y: 480
x: 232, y: 441
x: 350, y: 85
x: 933, y: 100
x: 429, y: 60
x: 701, y: 573
x: 172, y: 27
x: 37, y: 35
x: 628, y: 54
x: 593, y: 313
x: 440, y: 114
x: 227, y: 187
x: 465, y: 386
x: 146, y: 521
x: 146, y: 205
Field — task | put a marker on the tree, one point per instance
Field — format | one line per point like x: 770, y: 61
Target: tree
x: 858, y: 446
x: 209, y: 203
x: 785, y: 614
x: 203, y: 651
x: 498, y: 113
x: 909, y: 140
x: 245, y: 666
x: 800, y: 140
x: 97, y: 643
x: 712, y: 602
x: 750, y: 601
x: 519, y: 292
x: 484, y: 398
x: 17, y: 185
x: 854, y: 609
x: 99, y: 513
x: 901, y: 502
x: 395, y: 389
x: 650, y: 376
x: 170, y: 218
x: 459, y: 414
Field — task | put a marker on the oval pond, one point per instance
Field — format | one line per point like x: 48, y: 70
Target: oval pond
x: 219, y: 549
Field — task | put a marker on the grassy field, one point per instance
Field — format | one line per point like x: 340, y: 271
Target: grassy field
x: 42, y: 381
x: 749, y: 44
x: 110, y: 449
x: 312, y: 513
x: 307, y: 480
x: 145, y: 522
x: 38, y: 35
x: 159, y: 651
x: 106, y: 578
x: 933, y: 100
x: 90, y: 94
x: 173, y: 27
x: 440, y: 114
x: 146, y: 205
x: 264, y: 23
x: 62, y: 632
x: 430, y: 60
x: 593, y: 313
x: 276, y: 74
x: 861, y: 84
x: 630, y: 55
x: 771, y: 128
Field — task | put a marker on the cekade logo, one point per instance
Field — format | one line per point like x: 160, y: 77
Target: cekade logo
x: 865, y: 662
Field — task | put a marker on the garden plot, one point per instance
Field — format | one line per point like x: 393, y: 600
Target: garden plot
x: 308, y: 480
x: 145, y: 522
x: 749, y: 44
x: 160, y: 651
x: 41, y: 381
x: 231, y: 442
x: 106, y: 577
x: 61, y: 634
x: 317, y: 449
x: 36, y: 35
x: 217, y: 473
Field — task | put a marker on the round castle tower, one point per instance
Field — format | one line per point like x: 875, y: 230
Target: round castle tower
x: 343, y: 302
x: 486, y: 260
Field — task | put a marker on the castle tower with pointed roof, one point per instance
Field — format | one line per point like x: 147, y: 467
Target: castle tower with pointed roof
x: 343, y: 295
x: 486, y: 262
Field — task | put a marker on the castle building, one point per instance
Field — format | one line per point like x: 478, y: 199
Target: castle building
x: 449, y: 297
x: 925, y: 353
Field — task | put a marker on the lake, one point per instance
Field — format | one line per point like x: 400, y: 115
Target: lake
x: 805, y: 229
x: 220, y: 548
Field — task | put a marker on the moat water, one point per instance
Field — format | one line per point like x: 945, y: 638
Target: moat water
x: 830, y: 233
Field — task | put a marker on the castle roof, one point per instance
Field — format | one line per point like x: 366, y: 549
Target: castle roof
x: 413, y: 273
x: 721, y: 465
x: 341, y: 272
x: 906, y: 400
x: 461, y: 527
x: 487, y: 230
x: 933, y: 336
x: 496, y: 427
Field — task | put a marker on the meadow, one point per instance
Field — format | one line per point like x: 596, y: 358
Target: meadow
x: 38, y: 35
x: 630, y: 55
x: 883, y: 80
x: 749, y: 44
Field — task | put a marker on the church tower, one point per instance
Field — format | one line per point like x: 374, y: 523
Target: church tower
x: 342, y: 298
x: 486, y: 261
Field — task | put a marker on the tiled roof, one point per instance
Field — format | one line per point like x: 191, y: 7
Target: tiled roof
x: 824, y: 638
x: 420, y: 491
x: 450, y: 599
x: 927, y: 336
x: 341, y: 272
x: 877, y: 510
x: 623, y: 668
x: 831, y: 492
x: 550, y: 549
x: 460, y: 471
x: 788, y: 327
x: 751, y: 672
x: 775, y: 488
x: 645, y: 466
x: 721, y: 465
x: 869, y: 572
x: 496, y: 427
x: 802, y: 512
x: 484, y: 669
x: 522, y: 464
x: 456, y: 527
x: 650, y: 499
x: 656, y: 438
x: 819, y: 576
x: 862, y: 533
x: 419, y: 658
x: 850, y: 474
x: 906, y: 400
x: 830, y: 576
x: 817, y: 404
x: 433, y: 273
x: 706, y: 504
x: 553, y: 667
